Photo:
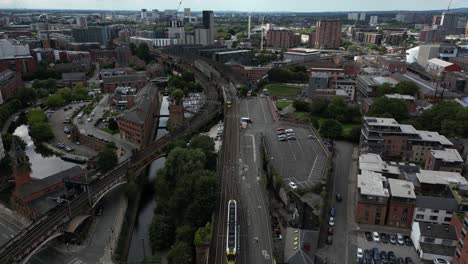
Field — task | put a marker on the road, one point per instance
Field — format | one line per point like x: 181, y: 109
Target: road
x: 94, y: 248
x: 342, y: 248
x: 253, y: 193
x: 9, y: 224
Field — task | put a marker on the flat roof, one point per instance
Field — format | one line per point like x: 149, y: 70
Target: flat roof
x: 435, y: 137
x: 371, y: 183
x: 440, y: 62
x: 382, y: 80
x: 232, y: 52
x: 381, y: 121
x: 401, y: 188
x: 401, y: 97
x: 447, y: 155
x: 440, y: 177
x: 373, y: 162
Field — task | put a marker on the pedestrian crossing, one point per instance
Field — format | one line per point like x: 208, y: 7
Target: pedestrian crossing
x: 76, y: 261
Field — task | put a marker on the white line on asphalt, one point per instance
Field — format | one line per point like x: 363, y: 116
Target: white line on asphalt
x: 263, y: 110
x: 72, y: 261
x: 5, y: 236
x: 254, y: 148
x: 313, y: 166
x: 421, y: 83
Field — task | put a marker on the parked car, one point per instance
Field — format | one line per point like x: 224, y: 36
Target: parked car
x: 311, y: 137
x: 338, y: 197
x: 384, y: 238
x: 330, y: 230
x: 292, y: 185
x: 375, y: 237
x: 400, y: 260
x: 331, y: 221
x: 279, y: 129
x: 291, y: 138
x: 392, y: 239
x: 359, y: 253
x: 289, y: 131
x: 391, y: 257
x: 408, y: 241
x: 408, y: 260
x: 329, y: 239
x: 383, y: 256
x: 333, y: 211
x: 440, y: 261
x: 368, y: 236
x: 400, y: 239
x: 282, y: 139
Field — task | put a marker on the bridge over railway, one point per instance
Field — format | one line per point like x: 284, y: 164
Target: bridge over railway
x: 54, y: 223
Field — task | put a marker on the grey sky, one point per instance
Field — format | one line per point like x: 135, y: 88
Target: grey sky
x: 239, y: 5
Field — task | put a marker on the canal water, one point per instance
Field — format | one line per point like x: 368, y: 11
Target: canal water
x: 41, y: 166
x: 140, y: 245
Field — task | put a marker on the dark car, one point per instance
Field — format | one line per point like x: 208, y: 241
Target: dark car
x: 368, y: 236
x: 383, y: 256
x: 338, y: 197
x: 329, y: 240
x: 393, y: 239
x: 391, y: 257
x: 384, y: 238
x: 376, y: 254
x: 408, y: 260
x: 367, y: 255
x: 400, y: 261
x: 408, y: 241
x: 330, y: 230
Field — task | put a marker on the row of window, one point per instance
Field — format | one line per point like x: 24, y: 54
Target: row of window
x: 432, y: 218
x: 432, y: 210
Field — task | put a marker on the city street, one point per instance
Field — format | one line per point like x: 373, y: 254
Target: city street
x: 260, y: 244
x: 9, y: 224
x: 343, y: 247
x: 96, y: 248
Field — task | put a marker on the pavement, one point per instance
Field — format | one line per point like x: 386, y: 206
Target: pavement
x: 89, y: 128
x: 253, y: 193
x: 101, y: 241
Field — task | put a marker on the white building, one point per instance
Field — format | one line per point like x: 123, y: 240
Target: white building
x: 374, y: 20
x: 187, y: 12
x: 353, y: 16
x: 10, y: 48
x: 362, y: 16
x: 348, y: 85
x: 433, y: 209
x: 154, y: 42
x: 434, y: 240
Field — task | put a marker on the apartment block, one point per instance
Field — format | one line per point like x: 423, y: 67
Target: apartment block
x: 371, y: 207
x: 444, y: 160
x: 328, y: 34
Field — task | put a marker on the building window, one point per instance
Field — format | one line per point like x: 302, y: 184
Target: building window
x: 448, y: 219
x: 447, y: 242
x: 429, y: 239
x: 421, y: 210
x: 435, y: 211
x: 419, y: 216
x: 433, y: 217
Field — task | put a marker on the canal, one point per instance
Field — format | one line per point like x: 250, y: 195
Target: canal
x: 140, y: 245
x: 42, y: 166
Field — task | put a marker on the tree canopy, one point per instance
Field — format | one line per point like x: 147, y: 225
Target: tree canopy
x: 107, y: 158
x: 39, y: 127
x: 447, y: 118
x: 389, y: 108
x: 290, y: 73
x: 330, y: 128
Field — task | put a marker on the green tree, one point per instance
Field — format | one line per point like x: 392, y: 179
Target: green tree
x: 133, y: 48
x: 181, y: 253
x: 177, y: 95
x: 143, y: 52
x: 319, y: 106
x: 161, y: 232
x: 330, y: 128
x: 384, y: 89
x: 107, y: 158
x: 66, y: 93
x: 55, y: 100
x: 185, y: 233
x: 39, y: 127
x: 188, y: 76
x: 301, y: 106
x: 389, y: 108
x: 112, y: 124
x: 203, y: 236
x: 80, y: 92
x: 27, y: 96
x: 205, y: 143
x: 407, y: 87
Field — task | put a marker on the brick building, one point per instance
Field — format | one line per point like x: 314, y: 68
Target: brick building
x: 460, y: 61
x: 392, y: 65
x: 10, y: 82
x: 401, y: 203
x: 136, y: 80
x: 251, y: 73
x: 460, y: 223
x: 282, y: 39
x: 444, y: 160
x: 26, y: 65
x: 371, y: 207
x: 328, y: 34
x: 136, y: 124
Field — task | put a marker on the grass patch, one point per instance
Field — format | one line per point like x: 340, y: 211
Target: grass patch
x: 301, y: 116
x: 282, y: 105
x: 281, y: 90
x: 108, y: 130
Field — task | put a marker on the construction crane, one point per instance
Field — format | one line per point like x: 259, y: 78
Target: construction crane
x: 180, y: 4
x: 450, y: 4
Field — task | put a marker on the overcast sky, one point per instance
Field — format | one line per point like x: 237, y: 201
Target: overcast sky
x: 239, y: 5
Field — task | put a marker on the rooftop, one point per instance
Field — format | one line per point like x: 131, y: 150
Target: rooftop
x: 440, y: 62
x: 232, y: 52
x: 437, y: 231
x: 379, y: 121
x: 381, y: 80
x: 373, y: 162
x: 440, y: 177
x: 401, y: 97
x: 297, y: 243
x: 371, y: 183
x: 447, y: 155
x: 437, y: 203
x: 434, y: 137
x: 401, y: 188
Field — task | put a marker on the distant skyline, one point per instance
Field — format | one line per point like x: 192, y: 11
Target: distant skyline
x: 239, y: 5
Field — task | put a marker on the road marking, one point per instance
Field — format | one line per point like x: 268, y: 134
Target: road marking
x: 263, y: 110
x: 254, y: 148
x: 5, y: 235
x: 421, y: 83
x: 313, y: 166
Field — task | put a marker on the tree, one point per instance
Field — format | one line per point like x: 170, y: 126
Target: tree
x: 331, y: 128
x: 205, y: 143
x: 27, y: 96
x: 185, y: 233
x: 301, y: 106
x: 177, y: 95
x: 112, y: 124
x: 133, y: 48
x: 143, y: 52
x: 188, y: 76
x: 389, y: 108
x: 161, y: 233
x: 384, y: 89
x: 55, y: 100
x: 66, y: 93
x: 202, y: 236
x: 407, y: 87
x: 181, y: 253
x: 107, y: 158
x: 319, y: 106
x: 39, y: 127
x: 80, y: 92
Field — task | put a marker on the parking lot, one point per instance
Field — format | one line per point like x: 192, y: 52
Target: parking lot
x: 56, y: 120
x: 402, y: 251
x: 300, y: 161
